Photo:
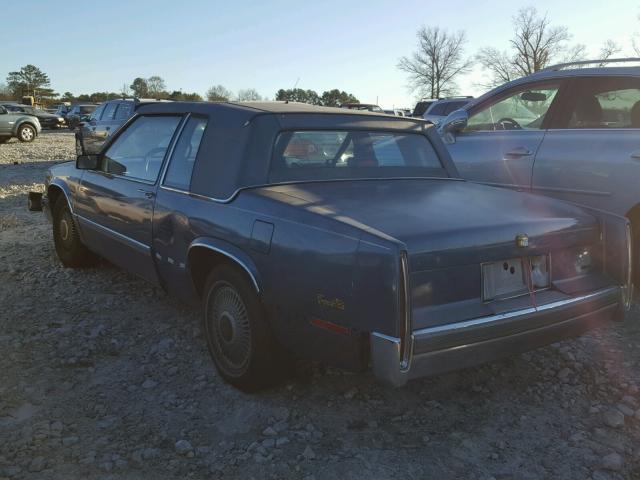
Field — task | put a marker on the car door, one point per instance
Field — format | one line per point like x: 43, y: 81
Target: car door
x: 6, y: 121
x: 114, y: 204
x: 591, y: 152
x: 503, y: 134
x: 91, y: 143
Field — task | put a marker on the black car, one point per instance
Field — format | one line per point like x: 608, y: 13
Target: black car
x: 79, y: 113
x: 47, y: 120
x: 104, y: 121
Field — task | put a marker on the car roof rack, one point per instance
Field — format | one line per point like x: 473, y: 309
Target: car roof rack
x: 580, y: 63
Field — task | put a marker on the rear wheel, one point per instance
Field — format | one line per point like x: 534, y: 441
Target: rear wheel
x: 238, y: 335
x: 71, y: 251
x: 26, y: 133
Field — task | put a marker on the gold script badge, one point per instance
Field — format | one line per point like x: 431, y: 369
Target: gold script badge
x: 336, y: 303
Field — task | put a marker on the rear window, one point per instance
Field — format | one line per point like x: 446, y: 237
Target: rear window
x: 311, y: 155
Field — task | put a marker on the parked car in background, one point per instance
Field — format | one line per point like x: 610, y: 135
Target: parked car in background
x: 397, y: 112
x: 62, y: 110
x: 422, y: 106
x: 439, y: 110
x: 79, y: 113
x: 343, y: 236
x: 104, y: 121
x: 19, y: 125
x: 571, y: 131
x: 370, y: 107
x: 46, y: 119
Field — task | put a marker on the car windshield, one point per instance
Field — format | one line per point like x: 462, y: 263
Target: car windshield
x: 328, y: 155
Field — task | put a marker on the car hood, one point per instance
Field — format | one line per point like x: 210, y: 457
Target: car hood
x: 443, y: 221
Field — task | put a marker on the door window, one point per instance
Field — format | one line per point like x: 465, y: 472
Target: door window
x: 97, y: 113
x: 139, y: 151
x: 524, y: 109
x: 184, y: 155
x: 109, y: 110
x: 124, y: 111
x: 605, y: 103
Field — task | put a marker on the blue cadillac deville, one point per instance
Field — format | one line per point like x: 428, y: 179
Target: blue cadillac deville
x: 341, y: 236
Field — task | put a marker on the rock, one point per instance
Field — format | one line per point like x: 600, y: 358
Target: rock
x: 625, y: 410
x: 183, y: 447
x: 268, y: 442
x: 564, y: 374
x: 11, y: 471
x: 613, y: 418
x: 151, y: 453
x: 149, y: 384
x: 349, y: 394
x: 270, y: 432
x: 282, y: 441
x: 308, y: 453
x: 69, y: 441
x: 37, y: 464
x: 613, y: 461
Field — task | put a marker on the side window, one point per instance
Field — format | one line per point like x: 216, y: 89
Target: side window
x: 453, y: 106
x: 109, y: 110
x: 605, y: 103
x: 97, y: 113
x: 522, y: 110
x: 184, y: 154
x: 437, y: 109
x: 139, y: 151
x: 124, y: 111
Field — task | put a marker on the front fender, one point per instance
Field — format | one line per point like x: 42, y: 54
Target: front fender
x: 22, y: 120
x: 233, y: 253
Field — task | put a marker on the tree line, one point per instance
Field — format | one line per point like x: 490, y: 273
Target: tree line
x: 440, y: 60
x: 31, y: 81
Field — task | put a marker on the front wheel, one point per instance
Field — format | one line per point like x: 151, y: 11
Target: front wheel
x: 71, y: 251
x: 26, y: 133
x: 238, y: 335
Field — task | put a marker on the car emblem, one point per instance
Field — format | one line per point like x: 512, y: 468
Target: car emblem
x: 522, y: 240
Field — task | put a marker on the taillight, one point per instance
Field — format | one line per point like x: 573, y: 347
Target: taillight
x: 404, y: 312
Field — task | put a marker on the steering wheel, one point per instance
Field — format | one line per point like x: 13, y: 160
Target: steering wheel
x: 150, y: 154
x: 509, y: 124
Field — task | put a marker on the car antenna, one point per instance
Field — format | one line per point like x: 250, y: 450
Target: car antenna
x: 286, y: 100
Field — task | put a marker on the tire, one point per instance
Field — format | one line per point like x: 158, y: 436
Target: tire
x: 26, y: 133
x: 237, y: 333
x: 71, y: 251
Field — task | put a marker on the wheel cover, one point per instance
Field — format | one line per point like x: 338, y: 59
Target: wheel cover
x: 229, y: 329
x: 65, y: 230
x: 26, y: 133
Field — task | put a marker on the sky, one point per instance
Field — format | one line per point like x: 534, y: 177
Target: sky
x: 352, y: 45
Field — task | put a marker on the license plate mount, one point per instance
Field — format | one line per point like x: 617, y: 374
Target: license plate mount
x: 513, y: 277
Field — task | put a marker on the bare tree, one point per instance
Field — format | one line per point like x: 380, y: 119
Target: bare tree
x: 249, y: 95
x: 535, y: 45
x: 156, y: 86
x: 218, y: 93
x: 609, y: 49
x: 439, y: 60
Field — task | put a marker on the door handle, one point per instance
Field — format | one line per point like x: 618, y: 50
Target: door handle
x: 635, y: 155
x: 518, y: 152
x: 147, y: 193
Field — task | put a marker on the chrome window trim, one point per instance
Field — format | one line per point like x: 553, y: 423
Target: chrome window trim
x: 230, y: 256
x: 139, y: 246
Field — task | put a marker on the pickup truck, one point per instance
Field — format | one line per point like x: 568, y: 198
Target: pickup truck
x: 338, y: 235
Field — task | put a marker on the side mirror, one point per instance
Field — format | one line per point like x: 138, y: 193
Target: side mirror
x: 455, y: 121
x: 87, y: 162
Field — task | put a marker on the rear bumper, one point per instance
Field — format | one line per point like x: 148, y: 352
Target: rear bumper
x: 464, y: 344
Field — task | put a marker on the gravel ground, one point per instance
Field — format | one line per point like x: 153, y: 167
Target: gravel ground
x: 106, y: 377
